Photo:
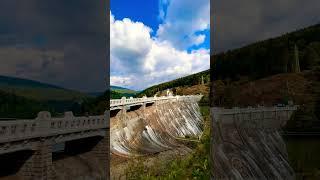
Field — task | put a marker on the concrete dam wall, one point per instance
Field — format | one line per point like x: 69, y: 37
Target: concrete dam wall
x: 150, y: 129
x: 247, y: 143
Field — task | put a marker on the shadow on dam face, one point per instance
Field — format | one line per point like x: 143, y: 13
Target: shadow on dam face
x: 128, y: 109
x: 12, y: 162
x: 74, y: 148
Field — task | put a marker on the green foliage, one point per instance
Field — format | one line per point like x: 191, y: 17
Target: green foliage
x: 96, y: 106
x: 194, y: 166
x: 13, y: 106
x: 194, y: 79
x: 123, y: 91
x: 115, y: 95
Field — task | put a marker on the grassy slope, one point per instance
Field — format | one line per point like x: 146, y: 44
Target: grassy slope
x: 124, y: 91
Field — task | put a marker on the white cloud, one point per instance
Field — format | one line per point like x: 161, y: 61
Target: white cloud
x: 121, y: 81
x: 182, y: 22
x: 129, y: 44
x: 139, y: 60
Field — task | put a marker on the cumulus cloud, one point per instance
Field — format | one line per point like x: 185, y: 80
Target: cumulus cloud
x: 139, y: 60
x: 122, y: 81
x: 183, y: 20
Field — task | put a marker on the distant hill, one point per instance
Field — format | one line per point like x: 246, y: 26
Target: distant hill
x: 123, y: 91
x: 38, y: 91
x: 187, y: 81
x: 23, y: 98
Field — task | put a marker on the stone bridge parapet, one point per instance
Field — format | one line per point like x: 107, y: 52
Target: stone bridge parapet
x: 40, y: 134
x: 46, y: 126
x: 119, y: 103
x: 254, y: 117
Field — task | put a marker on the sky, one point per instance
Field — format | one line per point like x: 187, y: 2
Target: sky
x: 157, y: 41
x: 57, y: 42
x: 238, y: 23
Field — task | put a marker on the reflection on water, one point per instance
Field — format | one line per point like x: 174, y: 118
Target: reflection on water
x: 304, y: 156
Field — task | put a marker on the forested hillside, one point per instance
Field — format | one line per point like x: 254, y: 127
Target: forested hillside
x: 269, y: 57
x: 13, y: 106
x: 187, y: 81
x: 122, y: 91
x: 23, y: 98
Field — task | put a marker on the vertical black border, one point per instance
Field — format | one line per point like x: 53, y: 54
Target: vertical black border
x: 106, y: 4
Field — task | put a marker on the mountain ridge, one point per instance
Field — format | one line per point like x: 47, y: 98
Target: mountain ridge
x: 39, y: 91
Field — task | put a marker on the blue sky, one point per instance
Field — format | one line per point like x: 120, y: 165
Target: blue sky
x: 157, y: 41
x: 137, y: 10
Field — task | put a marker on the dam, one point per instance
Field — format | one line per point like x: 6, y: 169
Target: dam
x: 247, y: 143
x: 142, y: 126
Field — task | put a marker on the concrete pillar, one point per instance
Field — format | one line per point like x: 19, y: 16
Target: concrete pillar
x: 123, y: 110
x: 101, y: 152
x: 39, y: 165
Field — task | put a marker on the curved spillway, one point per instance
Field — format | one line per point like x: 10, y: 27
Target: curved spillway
x: 155, y: 128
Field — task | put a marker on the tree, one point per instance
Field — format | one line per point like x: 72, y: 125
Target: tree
x: 296, y: 59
